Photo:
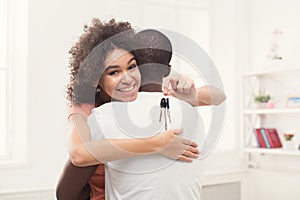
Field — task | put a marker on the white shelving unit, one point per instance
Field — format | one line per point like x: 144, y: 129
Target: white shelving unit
x: 271, y: 111
x: 254, y: 118
x: 278, y: 151
x: 268, y: 72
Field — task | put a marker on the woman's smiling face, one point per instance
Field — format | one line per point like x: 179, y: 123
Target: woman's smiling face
x: 121, y: 78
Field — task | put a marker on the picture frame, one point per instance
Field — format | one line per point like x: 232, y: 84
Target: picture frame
x: 293, y: 101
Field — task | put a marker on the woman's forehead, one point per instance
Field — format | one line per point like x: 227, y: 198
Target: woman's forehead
x: 117, y: 57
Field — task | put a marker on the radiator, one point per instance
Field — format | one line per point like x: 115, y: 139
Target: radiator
x: 28, y: 195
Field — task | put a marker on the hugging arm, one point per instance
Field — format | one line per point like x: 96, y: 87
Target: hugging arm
x: 85, y: 153
x: 182, y: 87
x: 209, y: 95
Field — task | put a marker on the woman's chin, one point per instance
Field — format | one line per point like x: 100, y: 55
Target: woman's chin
x: 125, y: 99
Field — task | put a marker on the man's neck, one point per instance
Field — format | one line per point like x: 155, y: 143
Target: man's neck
x: 151, y: 87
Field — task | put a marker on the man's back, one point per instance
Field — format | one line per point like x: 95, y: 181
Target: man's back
x: 149, y: 176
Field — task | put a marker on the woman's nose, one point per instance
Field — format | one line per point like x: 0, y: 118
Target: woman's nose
x: 126, y: 79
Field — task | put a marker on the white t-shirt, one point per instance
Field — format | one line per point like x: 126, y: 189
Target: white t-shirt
x: 153, y: 176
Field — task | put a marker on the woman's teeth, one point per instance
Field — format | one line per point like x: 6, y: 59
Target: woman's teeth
x: 127, y: 89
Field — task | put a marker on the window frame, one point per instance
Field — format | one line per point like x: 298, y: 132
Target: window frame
x: 16, y: 82
x: 3, y: 68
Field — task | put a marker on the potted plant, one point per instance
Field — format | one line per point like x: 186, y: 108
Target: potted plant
x: 288, y: 136
x: 262, y: 100
x: 289, y: 143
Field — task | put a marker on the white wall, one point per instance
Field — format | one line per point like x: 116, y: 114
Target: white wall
x: 265, y: 17
x: 277, y: 176
x: 55, y: 25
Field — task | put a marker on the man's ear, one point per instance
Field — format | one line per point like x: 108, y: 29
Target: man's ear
x: 167, y: 70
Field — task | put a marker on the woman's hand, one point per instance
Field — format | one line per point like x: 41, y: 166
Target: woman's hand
x: 170, y: 145
x: 182, y: 87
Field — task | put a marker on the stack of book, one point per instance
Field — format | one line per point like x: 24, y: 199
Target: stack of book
x: 267, y: 138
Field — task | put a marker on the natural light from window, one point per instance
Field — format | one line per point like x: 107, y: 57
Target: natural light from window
x: 13, y: 81
x: 3, y: 76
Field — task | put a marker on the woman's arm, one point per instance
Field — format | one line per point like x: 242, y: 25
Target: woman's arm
x: 184, y: 88
x: 209, y: 95
x: 84, y: 152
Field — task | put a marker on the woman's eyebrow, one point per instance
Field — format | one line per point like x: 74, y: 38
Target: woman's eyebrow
x: 131, y: 59
x: 111, y: 67
x: 117, y: 66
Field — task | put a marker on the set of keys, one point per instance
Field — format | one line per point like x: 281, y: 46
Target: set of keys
x: 165, y: 110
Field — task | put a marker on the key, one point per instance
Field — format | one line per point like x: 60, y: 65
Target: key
x: 165, y: 116
x: 168, y: 109
x: 160, y: 114
x: 163, y: 112
x: 161, y: 108
x: 164, y: 105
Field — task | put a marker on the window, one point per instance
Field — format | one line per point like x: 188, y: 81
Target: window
x: 13, y: 80
x: 3, y: 78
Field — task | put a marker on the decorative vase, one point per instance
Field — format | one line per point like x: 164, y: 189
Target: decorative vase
x: 276, y: 63
x: 260, y: 105
x: 269, y: 105
x: 289, y: 145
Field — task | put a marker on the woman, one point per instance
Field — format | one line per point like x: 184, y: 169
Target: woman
x: 82, y: 101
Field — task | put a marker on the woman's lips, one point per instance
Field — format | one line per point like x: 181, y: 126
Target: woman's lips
x: 127, y: 89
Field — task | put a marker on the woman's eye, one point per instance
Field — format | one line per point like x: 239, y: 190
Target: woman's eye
x: 113, y: 73
x: 132, y: 66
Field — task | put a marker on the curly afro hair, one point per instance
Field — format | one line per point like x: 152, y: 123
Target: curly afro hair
x: 88, y: 55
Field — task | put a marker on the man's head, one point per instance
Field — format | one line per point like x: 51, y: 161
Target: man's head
x: 153, y: 54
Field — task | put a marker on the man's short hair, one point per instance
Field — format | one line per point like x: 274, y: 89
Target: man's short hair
x: 152, y: 46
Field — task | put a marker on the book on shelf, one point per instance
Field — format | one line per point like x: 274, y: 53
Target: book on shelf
x: 267, y: 138
x: 259, y: 138
x: 273, y: 137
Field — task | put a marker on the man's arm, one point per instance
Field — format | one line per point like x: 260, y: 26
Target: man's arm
x: 73, y: 183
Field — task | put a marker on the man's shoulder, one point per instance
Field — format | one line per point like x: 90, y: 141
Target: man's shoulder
x: 157, y: 96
